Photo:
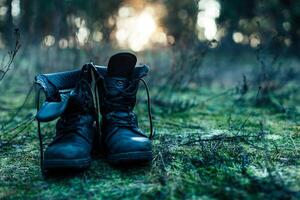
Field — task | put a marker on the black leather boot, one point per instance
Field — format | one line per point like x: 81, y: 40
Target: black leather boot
x: 75, y: 130
x: 123, y: 141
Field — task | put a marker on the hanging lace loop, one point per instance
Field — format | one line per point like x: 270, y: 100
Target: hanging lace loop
x: 152, y: 131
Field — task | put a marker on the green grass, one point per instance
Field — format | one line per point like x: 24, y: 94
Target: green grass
x: 197, y: 155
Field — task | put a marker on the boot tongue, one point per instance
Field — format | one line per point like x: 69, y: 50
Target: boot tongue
x: 121, y: 65
x: 76, y: 104
x: 119, y: 71
x: 81, y: 100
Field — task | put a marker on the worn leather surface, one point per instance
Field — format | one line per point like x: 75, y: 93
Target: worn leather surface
x: 54, y: 82
x: 51, y: 110
x: 119, y: 127
x: 52, y: 85
x: 72, y: 141
x: 76, y: 128
x: 120, y: 132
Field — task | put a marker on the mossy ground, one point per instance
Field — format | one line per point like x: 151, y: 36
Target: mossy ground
x: 221, y: 147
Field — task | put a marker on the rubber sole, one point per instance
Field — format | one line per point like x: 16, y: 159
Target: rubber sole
x: 138, y: 157
x: 67, y: 163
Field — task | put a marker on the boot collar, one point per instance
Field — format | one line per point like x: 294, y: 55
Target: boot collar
x: 139, y: 71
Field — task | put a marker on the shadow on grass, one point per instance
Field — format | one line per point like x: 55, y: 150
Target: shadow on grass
x: 125, y: 168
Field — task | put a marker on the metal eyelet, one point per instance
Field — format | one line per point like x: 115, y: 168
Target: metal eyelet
x: 119, y: 82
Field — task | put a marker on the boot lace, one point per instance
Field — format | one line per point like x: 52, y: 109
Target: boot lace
x: 123, y: 102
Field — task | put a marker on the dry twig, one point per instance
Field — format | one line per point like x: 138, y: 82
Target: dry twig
x: 12, y: 54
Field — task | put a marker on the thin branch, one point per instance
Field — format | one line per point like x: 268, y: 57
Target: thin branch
x: 18, y: 110
x: 162, y: 161
x: 12, y: 54
x: 224, y: 138
x: 24, y: 125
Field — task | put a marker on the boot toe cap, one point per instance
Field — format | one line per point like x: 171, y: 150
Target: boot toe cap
x: 125, y: 141
x: 65, y: 151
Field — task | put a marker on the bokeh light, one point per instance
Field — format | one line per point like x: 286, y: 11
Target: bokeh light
x: 139, y: 30
x: 209, y: 11
x: 49, y: 41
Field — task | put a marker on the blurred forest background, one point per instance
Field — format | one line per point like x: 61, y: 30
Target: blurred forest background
x: 225, y: 91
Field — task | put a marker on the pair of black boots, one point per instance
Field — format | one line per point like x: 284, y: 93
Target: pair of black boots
x: 110, y: 92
